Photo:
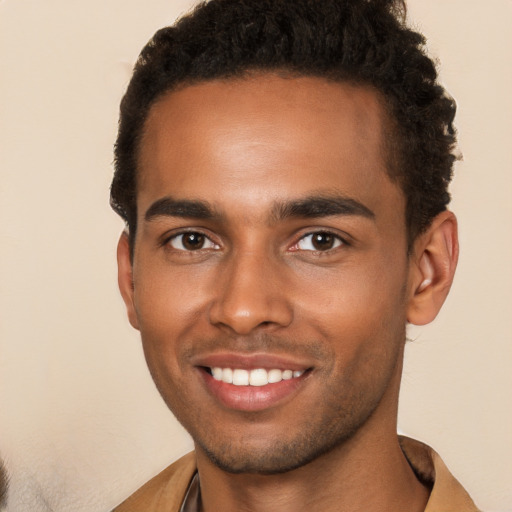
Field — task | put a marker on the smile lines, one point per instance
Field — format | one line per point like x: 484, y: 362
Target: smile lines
x: 256, y: 377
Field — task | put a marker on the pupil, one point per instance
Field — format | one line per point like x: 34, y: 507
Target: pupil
x: 193, y: 241
x: 323, y: 241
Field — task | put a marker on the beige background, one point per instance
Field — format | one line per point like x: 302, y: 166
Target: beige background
x: 80, y: 422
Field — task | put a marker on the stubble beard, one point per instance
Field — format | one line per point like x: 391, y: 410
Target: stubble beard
x: 278, y: 457
x: 309, y: 441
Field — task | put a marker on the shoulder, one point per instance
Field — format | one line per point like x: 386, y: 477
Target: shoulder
x: 165, y: 491
x: 447, y: 493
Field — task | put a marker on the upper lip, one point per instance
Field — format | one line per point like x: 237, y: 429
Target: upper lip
x: 250, y: 361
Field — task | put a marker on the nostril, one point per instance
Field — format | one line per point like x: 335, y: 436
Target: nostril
x: 242, y: 309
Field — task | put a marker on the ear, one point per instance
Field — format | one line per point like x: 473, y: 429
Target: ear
x: 125, y: 277
x: 433, y: 264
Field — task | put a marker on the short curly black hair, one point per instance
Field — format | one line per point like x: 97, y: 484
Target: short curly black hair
x: 363, y: 42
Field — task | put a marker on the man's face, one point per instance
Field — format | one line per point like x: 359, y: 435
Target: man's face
x: 270, y: 242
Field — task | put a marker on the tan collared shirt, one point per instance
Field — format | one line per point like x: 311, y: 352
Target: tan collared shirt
x: 167, y: 491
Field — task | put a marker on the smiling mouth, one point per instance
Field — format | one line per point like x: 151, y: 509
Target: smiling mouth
x: 257, y: 377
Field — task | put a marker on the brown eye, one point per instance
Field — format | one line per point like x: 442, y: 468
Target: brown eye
x: 191, y: 241
x: 322, y: 241
x: 319, y: 241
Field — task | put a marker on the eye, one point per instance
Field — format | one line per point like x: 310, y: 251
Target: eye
x: 191, y: 241
x: 319, y: 241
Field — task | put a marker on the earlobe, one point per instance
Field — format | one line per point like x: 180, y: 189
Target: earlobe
x: 435, y: 259
x: 125, y: 277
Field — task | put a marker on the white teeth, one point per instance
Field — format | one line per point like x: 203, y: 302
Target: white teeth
x: 275, y: 376
x: 256, y: 377
x: 217, y: 373
x: 227, y: 375
x: 240, y: 377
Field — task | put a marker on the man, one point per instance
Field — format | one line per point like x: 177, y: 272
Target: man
x: 282, y: 167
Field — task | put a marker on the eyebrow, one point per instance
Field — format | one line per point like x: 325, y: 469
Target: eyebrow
x: 309, y: 207
x: 320, y: 206
x: 169, y: 207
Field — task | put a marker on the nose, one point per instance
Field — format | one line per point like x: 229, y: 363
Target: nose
x: 251, y: 294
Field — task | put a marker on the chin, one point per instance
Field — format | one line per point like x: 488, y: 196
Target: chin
x: 274, y: 458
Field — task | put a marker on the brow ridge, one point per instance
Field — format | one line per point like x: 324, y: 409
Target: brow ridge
x: 320, y: 206
x: 308, y: 207
x: 186, y: 208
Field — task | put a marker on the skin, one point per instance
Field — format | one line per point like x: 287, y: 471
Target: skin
x: 254, y: 285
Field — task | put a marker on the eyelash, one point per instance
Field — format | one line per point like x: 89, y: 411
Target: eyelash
x: 338, y: 241
x: 168, y: 240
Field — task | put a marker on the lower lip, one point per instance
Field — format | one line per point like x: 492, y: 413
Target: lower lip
x: 252, y: 398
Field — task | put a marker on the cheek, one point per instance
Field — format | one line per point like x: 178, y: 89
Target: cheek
x: 356, y: 303
x: 168, y: 300
x: 161, y: 311
x: 171, y: 306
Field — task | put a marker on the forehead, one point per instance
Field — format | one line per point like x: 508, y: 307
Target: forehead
x: 267, y: 135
